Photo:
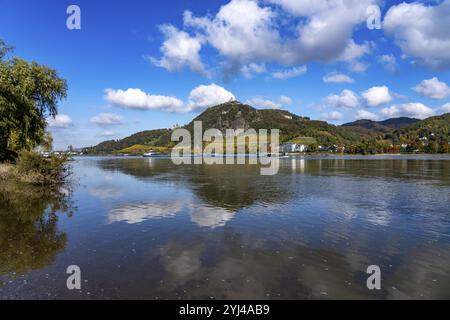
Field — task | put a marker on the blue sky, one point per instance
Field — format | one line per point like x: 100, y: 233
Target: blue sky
x: 139, y: 65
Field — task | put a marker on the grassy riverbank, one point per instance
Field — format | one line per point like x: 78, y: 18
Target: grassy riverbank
x: 34, y: 169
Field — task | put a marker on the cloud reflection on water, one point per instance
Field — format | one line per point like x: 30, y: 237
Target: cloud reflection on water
x: 203, y: 216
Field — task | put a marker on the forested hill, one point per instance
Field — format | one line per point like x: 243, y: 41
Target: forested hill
x: 376, y: 128
x: 235, y: 115
x: 160, y: 137
x: 432, y: 134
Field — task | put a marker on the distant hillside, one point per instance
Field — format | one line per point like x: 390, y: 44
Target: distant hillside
x: 361, y: 135
x: 366, y: 129
x: 368, y: 124
x: 160, y: 137
x: 432, y: 133
x: 235, y: 115
x: 398, y: 123
x: 372, y: 129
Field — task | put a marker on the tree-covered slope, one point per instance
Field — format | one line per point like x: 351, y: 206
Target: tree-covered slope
x: 371, y: 129
x: 399, y: 123
x: 235, y: 115
x: 160, y: 137
x: 432, y: 129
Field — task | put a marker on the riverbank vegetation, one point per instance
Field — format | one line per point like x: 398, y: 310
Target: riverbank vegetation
x: 32, y: 168
x: 29, y: 94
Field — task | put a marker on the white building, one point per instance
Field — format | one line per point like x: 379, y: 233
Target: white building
x: 293, y: 148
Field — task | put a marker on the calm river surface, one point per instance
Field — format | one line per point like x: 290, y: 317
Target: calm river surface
x: 147, y: 229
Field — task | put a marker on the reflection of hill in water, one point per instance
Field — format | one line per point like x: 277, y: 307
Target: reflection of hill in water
x: 220, y: 191
x: 382, y: 167
x: 233, y: 187
x: 141, y: 168
x: 29, y: 237
x: 230, y: 187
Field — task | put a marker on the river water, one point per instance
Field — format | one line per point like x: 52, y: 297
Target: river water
x: 147, y: 229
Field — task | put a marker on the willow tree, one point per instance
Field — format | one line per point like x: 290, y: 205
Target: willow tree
x: 29, y: 93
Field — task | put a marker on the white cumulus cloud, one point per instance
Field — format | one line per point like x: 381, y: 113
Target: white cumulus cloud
x: 354, y: 51
x: 107, y: 119
x: 445, y: 108
x: 285, y: 100
x: 206, y: 96
x: 290, y: 73
x: 331, y: 116
x: 249, y: 31
x: 269, y: 104
x: 180, y: 51
x: 326, y: 28
x: 335, y: 77
x: 389, y: 62
x: 376, y: 96
x: 248, y: 71
x: 421, y: 31
x: 347, y: 99
x: 413, y: 110
x: 60, y: 121
x: 242, y: 32
x: 366, y: 115
x: 200, y: 98
x: 140, y: 100
x: 433, y: 88
x: 263, y: 103
x: 358, y: 67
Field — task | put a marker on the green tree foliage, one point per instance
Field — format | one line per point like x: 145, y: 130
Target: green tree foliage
x: 29, y: 93
x: 313, y: 147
